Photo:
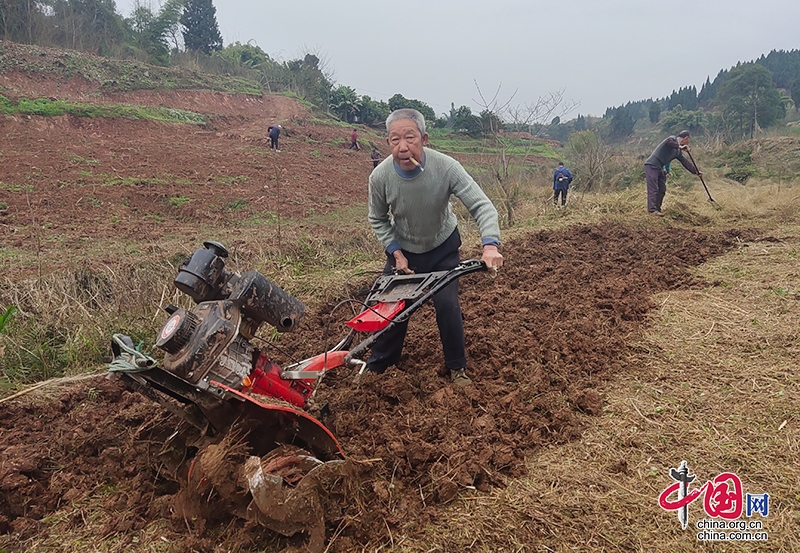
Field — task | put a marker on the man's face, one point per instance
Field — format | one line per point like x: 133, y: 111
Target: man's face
x: 406, y: 141
x: 684, y: 140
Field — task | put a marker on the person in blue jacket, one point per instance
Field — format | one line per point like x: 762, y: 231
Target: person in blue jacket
x: 561, y: 179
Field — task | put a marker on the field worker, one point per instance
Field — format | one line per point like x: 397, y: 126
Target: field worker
x: 376, y: 157
x: 274, y: 133
x: 656, y: 168
x: 354, y: 140
x: 410, y: 212
x: 562, y: 177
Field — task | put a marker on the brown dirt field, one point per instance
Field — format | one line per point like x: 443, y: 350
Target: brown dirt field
x: 74, y: 182
x: 541, y: 337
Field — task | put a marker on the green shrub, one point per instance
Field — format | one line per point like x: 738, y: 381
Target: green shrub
x: 741, y: 174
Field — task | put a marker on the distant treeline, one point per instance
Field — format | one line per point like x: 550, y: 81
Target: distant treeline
x: 738, y: 101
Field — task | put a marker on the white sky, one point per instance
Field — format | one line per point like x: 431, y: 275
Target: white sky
x: 602, y: 53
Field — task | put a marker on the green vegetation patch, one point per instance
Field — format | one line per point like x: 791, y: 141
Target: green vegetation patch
x: 737, y: 162
x: 233, y: 180
x: 178, y: 201
x: 49, y: 108
x: 134, y: 181
x: 236, y: 205
x: 11, y: 187
x: 116, y: 75
x: 6, y: 316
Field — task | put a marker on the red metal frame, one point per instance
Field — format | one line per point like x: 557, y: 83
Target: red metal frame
x: 376, y: 317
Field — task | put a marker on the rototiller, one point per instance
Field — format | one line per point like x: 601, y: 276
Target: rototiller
x: 214, y: 377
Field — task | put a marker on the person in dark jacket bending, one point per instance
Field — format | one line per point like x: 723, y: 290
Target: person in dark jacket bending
x: 376, y: 157
x: 274, y: 133
x: 562, y: 177
x: 656, y: 168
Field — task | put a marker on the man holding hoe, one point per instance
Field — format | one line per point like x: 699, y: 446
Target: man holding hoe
x: 410, y: 212
x: 657, y: 166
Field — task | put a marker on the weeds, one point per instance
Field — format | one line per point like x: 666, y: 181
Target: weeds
x: 72, y: 158
x: 178, y: 201
x: 236, y: 205
x: 50, y: 108
x: 63, y: 321
x: 15, y: 187
x: 114, y: 75
x: 6, y: 317
x: 233, y: 180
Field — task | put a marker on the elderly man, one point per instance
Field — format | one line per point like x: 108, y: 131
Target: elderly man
x: 657, y: 166
x: 410, y: 212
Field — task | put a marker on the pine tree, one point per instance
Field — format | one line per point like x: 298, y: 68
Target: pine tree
x: 200, y: 28
x: 654, y: 112
x: 622, y: 124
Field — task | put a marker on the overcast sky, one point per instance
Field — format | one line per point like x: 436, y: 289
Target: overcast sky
x: 601, y: 53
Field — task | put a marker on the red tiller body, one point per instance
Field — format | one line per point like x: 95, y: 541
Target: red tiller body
x: 266, y: 380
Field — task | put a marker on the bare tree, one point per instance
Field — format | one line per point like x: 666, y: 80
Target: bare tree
x: 508, y: 172
x: 589, y: 156
x: 22, y: 20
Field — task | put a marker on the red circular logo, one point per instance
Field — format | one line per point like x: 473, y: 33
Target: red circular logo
x: 170, y: 327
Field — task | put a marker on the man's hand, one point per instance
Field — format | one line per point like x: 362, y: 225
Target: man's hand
x: 492, y: 257
x: 401, y: 263
x: 684, y: 147
x: 699, y: 173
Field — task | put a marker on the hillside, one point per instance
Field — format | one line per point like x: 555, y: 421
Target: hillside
x: 145, y: 178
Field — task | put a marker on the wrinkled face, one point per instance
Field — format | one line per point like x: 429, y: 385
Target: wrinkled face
x: 406, y: 141
x: 683, y: 141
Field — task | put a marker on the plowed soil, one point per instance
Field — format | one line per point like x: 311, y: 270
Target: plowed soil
x: 540, y: 336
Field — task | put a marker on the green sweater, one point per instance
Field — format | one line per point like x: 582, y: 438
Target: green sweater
x: 415, y: 213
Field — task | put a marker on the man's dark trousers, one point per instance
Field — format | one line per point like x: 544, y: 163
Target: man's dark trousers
x: 656, y: 187
x: 387, y: 349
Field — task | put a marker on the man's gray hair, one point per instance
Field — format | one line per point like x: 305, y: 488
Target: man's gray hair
x: 407, y: 113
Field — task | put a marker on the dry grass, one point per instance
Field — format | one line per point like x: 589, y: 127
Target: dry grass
x: 46, y: 389
x: 66, y: 317
x: 713, y: 382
